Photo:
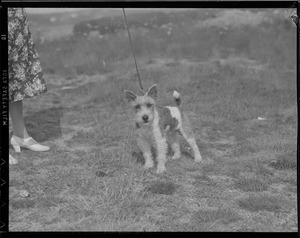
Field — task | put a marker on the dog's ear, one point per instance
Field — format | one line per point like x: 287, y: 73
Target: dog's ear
x: 152, y: 92
x: 130, y: 96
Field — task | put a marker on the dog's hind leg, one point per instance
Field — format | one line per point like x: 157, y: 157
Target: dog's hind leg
x: 188, y: 134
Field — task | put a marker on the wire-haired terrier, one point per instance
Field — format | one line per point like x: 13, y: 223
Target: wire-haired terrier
x: 155, y: 124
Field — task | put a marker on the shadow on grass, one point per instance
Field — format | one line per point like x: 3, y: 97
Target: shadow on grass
x: 45, y: 125
x: 22, y: 203
x: 138, y: 155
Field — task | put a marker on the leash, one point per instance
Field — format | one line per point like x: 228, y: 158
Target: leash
x: 126, y: 23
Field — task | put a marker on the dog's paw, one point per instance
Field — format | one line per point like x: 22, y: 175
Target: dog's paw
x: 148, y: 165
x: 198, y: 158
x: 161, y: 169
x: 175, y: 156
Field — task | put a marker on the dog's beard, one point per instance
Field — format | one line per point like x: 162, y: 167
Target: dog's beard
x: 142, y: 123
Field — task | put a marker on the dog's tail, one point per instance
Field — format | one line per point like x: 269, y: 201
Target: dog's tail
x: 177, y: 98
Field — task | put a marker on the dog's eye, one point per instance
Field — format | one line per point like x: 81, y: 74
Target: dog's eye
x: 137, y: 107
x: 149, y: 105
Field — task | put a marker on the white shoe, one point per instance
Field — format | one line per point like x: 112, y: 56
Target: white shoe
x: 12, y: 160
x: 28, y: 143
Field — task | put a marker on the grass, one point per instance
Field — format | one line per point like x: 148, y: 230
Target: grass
x: 251, y: 185
x: 222, y: 215
x: 255, y: 203
x: 93, y: 177
x: 286, y: 161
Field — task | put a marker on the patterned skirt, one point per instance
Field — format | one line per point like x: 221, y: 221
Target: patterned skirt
x: 25, y: 73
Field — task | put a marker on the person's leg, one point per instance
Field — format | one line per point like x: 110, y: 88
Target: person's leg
x: 21, y: 137
x: 16, y: 113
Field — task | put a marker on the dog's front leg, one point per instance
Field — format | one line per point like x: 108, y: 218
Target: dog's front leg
x: 145, y: 147
x: 174, y: 142
x: 161, y: 146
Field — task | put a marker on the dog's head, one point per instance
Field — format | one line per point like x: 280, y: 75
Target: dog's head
x: 143, y: 105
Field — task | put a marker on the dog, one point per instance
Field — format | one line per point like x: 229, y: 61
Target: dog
x: 155, y: 125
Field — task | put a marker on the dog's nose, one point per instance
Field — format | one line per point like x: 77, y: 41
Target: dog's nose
x: 145, y: 118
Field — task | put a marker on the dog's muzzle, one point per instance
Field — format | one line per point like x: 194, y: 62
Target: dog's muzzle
x: 145, y: 118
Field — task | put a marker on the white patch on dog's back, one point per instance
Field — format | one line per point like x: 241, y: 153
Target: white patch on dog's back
x: 175, y: 113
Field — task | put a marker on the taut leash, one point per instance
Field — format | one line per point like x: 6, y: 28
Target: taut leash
x: 126, y: 23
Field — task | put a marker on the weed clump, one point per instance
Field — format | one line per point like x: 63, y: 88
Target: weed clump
x: 166, y: 188
x: 285, y: 161
x: 255, y: 203
x: 251, y: 185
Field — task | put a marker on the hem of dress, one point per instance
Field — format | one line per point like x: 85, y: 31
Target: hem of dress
x: 27, y: 97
